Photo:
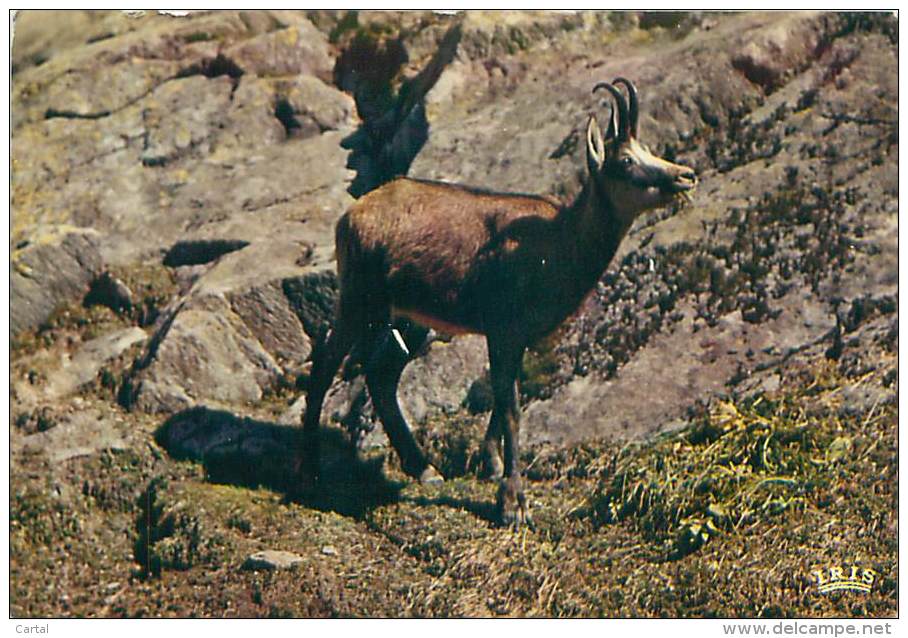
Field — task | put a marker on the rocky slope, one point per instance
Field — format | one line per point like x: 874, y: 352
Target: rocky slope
x: 175, y: 186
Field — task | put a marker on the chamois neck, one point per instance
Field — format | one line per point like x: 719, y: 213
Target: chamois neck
x: 593, y: 230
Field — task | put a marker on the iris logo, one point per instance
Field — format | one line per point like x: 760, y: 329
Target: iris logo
x: 838, y: 578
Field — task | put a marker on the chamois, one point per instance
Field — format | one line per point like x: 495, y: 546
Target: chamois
x: 433, y: 255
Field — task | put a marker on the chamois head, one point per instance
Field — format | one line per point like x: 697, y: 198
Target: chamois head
x: 622, y: 169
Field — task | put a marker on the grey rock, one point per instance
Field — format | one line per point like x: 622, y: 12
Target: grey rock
x: 282, y: 227
x: 293, y: 415
x: 84, y: 365
x: 81, y: 432
x: 312, y: 298
x: 182, y: 116
x: 300, y: 49
x: 250, y: 123
x: 271, y: 559
x: 646, y: 393
x: 231, y: 336
x: 52, y: 148
x: 121, y: 108
x: 97, y: 91
x: 265, y: 311
x: 114, y: 73
x: 858, y: 398
x: 42, y: 35
x: 315, y: 101
x: 53, y: 267
x: 438, y: 383
x: 204, y: 354
x: 433, y: 384
x: 767, y: 57
x: 762, y: 104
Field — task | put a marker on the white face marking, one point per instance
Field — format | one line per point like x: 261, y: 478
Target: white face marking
x: 643, y: 156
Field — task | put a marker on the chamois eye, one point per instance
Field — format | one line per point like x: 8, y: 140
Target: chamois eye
x: 627, y: 161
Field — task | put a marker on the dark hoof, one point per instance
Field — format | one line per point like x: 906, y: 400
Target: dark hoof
x: 511, y: 504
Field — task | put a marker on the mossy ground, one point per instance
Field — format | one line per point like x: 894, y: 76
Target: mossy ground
x: 728, y: 517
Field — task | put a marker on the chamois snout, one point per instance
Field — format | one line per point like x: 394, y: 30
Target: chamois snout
x: 670, y: 181
x: 685, y: 180
x: 680, y: 179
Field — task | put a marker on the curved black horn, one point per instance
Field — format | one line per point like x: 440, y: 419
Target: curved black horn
x: 612, y: 124
x: 634, y: 112
x: 622, y: 108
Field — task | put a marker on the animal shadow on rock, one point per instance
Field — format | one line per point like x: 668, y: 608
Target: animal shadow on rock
x: 394, y: 126
x: 247, y: 452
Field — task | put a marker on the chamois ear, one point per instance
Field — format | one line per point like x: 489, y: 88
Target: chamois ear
x: 595, y: 146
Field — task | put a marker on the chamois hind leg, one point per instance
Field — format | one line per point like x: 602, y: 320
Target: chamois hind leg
x: 505, y: 358
x: 353, y: 419
x: 492, y: 465
x: 327, y: 356
x: 390, y: 355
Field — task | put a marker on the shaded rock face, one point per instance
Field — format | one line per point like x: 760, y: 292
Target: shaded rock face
x: 225, y: 145
x: 52, y: 265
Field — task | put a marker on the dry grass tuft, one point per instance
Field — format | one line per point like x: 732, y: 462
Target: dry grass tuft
x: 739, y: 464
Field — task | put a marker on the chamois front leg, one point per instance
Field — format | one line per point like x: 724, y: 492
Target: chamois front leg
x: 505, y: 358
